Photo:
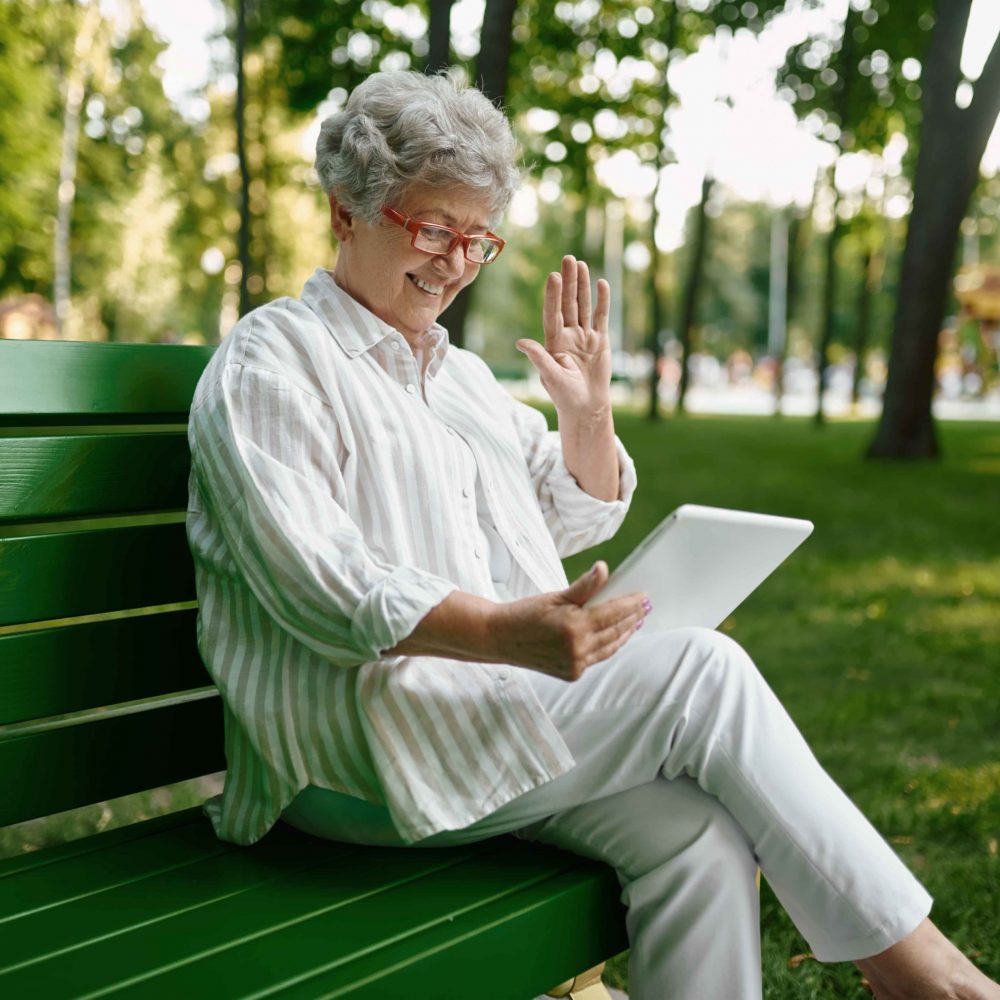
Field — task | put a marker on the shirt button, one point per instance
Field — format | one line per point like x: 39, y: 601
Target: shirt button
x: 451, y: 431
x: 465, y: 491
x: 394, y: 344
x: 504, y: 675
x: 477, y: 554
x: 411, y: 388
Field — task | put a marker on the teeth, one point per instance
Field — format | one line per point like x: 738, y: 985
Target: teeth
x: 433, y: 289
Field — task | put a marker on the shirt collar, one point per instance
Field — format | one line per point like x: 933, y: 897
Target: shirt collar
x: 356, y: 328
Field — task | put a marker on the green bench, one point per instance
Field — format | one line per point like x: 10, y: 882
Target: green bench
x: 102, y: 694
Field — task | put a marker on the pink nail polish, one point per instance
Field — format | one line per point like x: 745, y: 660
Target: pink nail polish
x: 640, y: 623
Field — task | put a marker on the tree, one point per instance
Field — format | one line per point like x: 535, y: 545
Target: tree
x: 896, y: 45
x: 952, y: 142
x: 241, y: 152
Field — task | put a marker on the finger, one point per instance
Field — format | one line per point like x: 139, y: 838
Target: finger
x: 569, y: 305
x: 624, y: 627
x: 583, y: 293
x: 606, y: 614
x: 544, y: 363
x: 603, y: 309
x: 552, y: 307
x: 612, y: 640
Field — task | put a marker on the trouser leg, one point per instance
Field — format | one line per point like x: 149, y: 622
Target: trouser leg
x: 688, y: 878
x: 705, y: 711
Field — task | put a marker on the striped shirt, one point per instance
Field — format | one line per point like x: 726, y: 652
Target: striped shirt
x: 332, y: 505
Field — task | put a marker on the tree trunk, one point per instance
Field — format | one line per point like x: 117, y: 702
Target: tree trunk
x: 62, y: 260
x: 439, y: 37
x: 800, y: 232
x: 952, y: 142
x: 829, y: 307
x: 241, y: 151
x: 659, y: 303
x: 494, y: 49
x: 863, y: 321
x: 491, y: 73
x: 689, y: 308
x: 777, y: 297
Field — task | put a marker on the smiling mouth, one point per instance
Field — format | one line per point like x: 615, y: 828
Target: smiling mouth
x: 426, y: 286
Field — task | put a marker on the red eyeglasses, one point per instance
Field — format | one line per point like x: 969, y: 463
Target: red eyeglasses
x: 479, y: 248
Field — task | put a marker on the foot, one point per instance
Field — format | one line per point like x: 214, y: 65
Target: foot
x: 925, y: 965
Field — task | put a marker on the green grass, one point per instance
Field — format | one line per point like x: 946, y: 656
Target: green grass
x: 880, y: 636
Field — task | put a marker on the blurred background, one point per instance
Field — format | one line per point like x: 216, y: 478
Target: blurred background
x: 744, y: 174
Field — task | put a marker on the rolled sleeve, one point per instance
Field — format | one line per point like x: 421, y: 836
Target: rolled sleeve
x: 394, y: 607
x: 575, y: 519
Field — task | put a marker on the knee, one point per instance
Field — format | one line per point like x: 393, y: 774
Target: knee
x: 715, y: 655
x: 676, y: 830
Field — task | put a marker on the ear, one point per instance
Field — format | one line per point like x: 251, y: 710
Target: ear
x: 341, y: 220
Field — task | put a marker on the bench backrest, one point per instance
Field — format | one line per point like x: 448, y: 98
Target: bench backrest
x: 102, y: 691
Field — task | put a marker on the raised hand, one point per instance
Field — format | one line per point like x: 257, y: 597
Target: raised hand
x: 575, y: 363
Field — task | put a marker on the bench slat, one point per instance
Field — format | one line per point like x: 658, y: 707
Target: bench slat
x: 48, y: 772
x: 43, y: 381
x: 89, y: 572
x: 75, y: 850
x: 60, y: 670
x: 86, y: 474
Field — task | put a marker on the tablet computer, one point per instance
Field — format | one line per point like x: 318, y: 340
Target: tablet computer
x: 700, y: 563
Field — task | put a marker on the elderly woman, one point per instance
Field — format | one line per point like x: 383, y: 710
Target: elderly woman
x: 377, y: 529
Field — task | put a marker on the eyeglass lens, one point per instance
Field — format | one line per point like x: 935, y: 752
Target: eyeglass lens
x: 435, y: 239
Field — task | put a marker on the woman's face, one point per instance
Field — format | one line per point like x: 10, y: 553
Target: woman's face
x: 378, y: 266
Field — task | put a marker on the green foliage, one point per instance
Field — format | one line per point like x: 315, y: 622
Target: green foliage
x: 867, y: 58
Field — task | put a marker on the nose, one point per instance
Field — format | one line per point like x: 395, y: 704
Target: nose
x: 452, y: 264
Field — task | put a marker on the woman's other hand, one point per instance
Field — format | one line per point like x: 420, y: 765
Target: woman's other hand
x: 554, y: 634
x: 575, y: 363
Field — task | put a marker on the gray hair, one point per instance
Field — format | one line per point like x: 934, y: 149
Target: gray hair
x: 403, y: 128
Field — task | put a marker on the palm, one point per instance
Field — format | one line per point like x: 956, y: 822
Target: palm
x: 576, y: 365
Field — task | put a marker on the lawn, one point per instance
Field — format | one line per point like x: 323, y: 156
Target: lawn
x: 881, y: 635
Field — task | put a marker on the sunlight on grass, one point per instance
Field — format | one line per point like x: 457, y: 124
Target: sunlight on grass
x: 962, y: 789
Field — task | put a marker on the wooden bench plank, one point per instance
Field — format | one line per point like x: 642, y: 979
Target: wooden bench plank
x: 63, y: 768
x: 87, y: 474
x: 59, y: 670
x: 104, y: 841
x: 89, y: 572
x: 42, y: 381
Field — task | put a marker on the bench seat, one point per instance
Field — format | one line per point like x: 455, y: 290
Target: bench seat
x: 163, y: 908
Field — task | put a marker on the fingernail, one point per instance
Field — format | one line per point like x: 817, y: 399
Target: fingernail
x: 593, y: 572
x: 647, y: 604
x: 639, y: 624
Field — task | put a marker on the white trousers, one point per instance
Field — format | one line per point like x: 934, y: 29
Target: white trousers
x: 689, y: 774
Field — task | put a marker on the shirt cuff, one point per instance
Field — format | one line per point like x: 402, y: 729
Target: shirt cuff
x: 394, y: 607
x: 577, y: 506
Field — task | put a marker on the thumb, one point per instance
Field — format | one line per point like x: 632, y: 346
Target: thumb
x: 537, y: 355
x: 584, y: 587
